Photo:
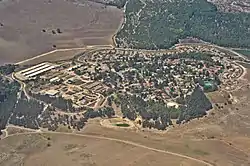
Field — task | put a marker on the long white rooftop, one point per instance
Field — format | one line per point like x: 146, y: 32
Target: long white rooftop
x: 40, y: 71
x: 33, y: 67
x: 35, y: 70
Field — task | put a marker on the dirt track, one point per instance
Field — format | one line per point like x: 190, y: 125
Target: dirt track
x: 120, y: 141
x: 28, y: 24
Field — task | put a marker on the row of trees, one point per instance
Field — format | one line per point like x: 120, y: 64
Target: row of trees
x: 26, y: 112
x: 156, y: 114
x: 7, y: 69
x: 58, y: 102
x: 196, y: 106
x: 101, y: 112
x: 193, y: 55
x: 8, y: 98
x: 71, y: 121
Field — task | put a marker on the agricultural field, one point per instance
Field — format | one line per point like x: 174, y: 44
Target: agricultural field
x: 42, y: 26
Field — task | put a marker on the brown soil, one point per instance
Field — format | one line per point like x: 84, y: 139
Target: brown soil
x: 53, y: 56
x: 15, y: 130
x: 64, y: 150
x: 22, y: 36
x: 198, y: 140
x: 222, y: 138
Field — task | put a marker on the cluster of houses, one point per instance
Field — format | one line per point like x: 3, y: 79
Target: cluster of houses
x: 163, y: 75
x: 62, y: 81
x: 167, y: 75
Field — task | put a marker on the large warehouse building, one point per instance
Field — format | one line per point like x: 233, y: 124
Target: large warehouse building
x: 34, y: 71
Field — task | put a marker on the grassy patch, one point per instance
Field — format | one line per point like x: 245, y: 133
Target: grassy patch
x: 122, y: 125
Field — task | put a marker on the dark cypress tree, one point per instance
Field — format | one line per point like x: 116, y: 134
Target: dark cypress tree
x: 197, y: 105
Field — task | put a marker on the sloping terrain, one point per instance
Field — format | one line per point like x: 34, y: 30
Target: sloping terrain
x: 232, y: 5
x: 43, y: 149
x: 32, y: 27
x: 117, y: 3
x: 222, y: 139
x: 161, y: 23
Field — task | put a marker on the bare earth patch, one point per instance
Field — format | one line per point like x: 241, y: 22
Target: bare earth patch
x: 53, y: 56
x: 30, y: 27
x: 15, y: 130
x: 64, y: 150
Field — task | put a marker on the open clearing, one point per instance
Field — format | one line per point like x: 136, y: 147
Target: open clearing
x: 27, y: 25
x: 64, y: 150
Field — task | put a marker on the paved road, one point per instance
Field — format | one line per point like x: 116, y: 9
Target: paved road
x: 121, y: 141
x: 94, y: 48
x: 61, y: 50
x: 215, y: 46
x: 223, y: 49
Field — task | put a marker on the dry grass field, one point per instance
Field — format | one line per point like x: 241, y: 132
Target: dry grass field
x: 53, y: 56
x: 26, y: 26
x: 222, y: 139
x: 185, y: 140
x: 64, y: 150
x: 14, y: 130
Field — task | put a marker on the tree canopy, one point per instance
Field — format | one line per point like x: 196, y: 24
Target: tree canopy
x: 159, y: 24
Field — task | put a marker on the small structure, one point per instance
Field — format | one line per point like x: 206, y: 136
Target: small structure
x: 55, y: 79
x: 173, y: 104
x: 52, y: 93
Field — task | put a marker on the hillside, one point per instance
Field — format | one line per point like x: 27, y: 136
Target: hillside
x: 117, y: 3
x: 42, y: 26
x: 161, y: 23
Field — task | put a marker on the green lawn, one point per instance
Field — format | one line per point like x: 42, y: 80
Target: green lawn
x: 122, y: 125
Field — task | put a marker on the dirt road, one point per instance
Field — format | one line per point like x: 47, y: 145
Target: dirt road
x: 120, y: 141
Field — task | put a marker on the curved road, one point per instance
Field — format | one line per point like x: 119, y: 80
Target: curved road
x: 64, y: 49
x: 215, y: 46
x: 94, y: 48
x: 23, y: 86
x: 120, y: 141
